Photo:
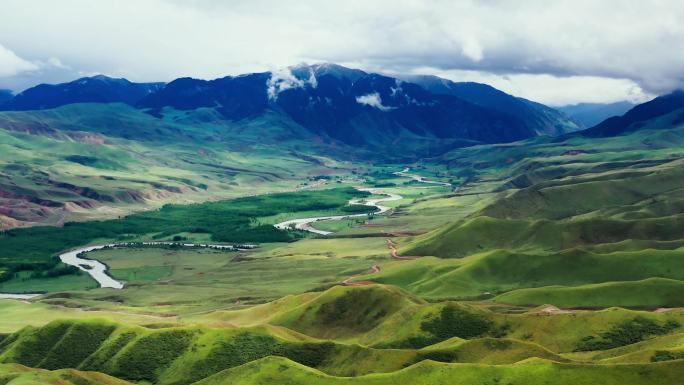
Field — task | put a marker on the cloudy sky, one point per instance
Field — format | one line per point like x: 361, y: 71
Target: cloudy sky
x: 556, y: 52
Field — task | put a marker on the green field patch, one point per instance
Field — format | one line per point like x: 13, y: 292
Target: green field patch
x: 22, y: 282
x: 150, y: 273
x: 227, y: 221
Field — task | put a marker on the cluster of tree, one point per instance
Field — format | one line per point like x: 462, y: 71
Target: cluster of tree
x: 626, y: 333
x: 235, y: 221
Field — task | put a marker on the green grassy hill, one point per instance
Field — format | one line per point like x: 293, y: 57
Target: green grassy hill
x: 343, y: 312
x: 15, y: 374
x: 184, y: 355
x: 534, y: 372
x: 549, y: 261
x: 85, y: 161
x: 574, y: 222
x: 649, y: 293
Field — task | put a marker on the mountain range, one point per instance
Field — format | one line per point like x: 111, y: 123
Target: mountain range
x: 330, y: 101
x: 96, y: 89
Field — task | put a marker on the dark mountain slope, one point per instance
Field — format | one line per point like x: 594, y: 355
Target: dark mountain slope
x: 638, y: 117
x: 234, y: 97
x: 349, y: 105
x: 343, y: 108
x: 541, y: 118
x: 96, y: 89
x: 5, y: 95
x: 331, y: 102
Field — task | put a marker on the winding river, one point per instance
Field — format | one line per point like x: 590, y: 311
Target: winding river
x: 419, y: 178
x: 305, y: 223
x: 98, y: 270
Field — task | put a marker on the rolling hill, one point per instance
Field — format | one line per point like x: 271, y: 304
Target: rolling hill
x: 575, y: 220
x: 536, y: 259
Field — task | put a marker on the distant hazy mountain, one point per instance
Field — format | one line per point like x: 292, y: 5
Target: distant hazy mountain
x: 591, y: 114
x: 96, y: 89
x: 660, y: 113
x: 5, y: 95
x: 543, y: 119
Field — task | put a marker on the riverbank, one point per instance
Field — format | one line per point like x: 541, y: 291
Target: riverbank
x: 304, y: 224
x: 98, y: 270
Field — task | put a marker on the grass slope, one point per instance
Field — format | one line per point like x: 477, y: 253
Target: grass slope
x: 279, y: 370
x: 14, y: 374
x: 649, y: 293
x: 184, y: 355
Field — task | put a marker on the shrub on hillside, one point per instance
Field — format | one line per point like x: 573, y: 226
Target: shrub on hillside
x: 150, y: 354
x: 34, y: 344
x: 359, y: 310
x: 80, y: 341
x: 626, y: 333
x: 665, y: 355
x: 98, y: 361
x: 455, y: 321
x: 452, y: 321
x: 247, y: 347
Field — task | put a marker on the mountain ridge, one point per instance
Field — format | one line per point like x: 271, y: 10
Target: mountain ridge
x: 344, y: 104
x: 95, y: 89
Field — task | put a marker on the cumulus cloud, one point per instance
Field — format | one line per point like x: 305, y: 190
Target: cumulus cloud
x: 373, y: 100
x: 619, y: 41
x: 11, y: 64
x: 282, y: 79
x: 553, y: 90
x: 472, y: 49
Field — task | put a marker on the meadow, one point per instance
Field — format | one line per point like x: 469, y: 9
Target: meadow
x: 550, y: 261
x: 232, y: 221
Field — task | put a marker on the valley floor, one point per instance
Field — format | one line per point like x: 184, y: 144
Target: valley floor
x: 544, y: 269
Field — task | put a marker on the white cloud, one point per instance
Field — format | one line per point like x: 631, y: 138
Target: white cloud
x: 618, y: 41
x: 282, y: 79
x: 373, y: 100
x: 56, y: 63
x: 472, y: 49
x: 11, y: 64
x: 553, y: 90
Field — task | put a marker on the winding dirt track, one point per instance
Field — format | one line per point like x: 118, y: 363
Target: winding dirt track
x: 375, y: 268
x: 391, y: 245
x: 393, y: 251
x: 349, y: 281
